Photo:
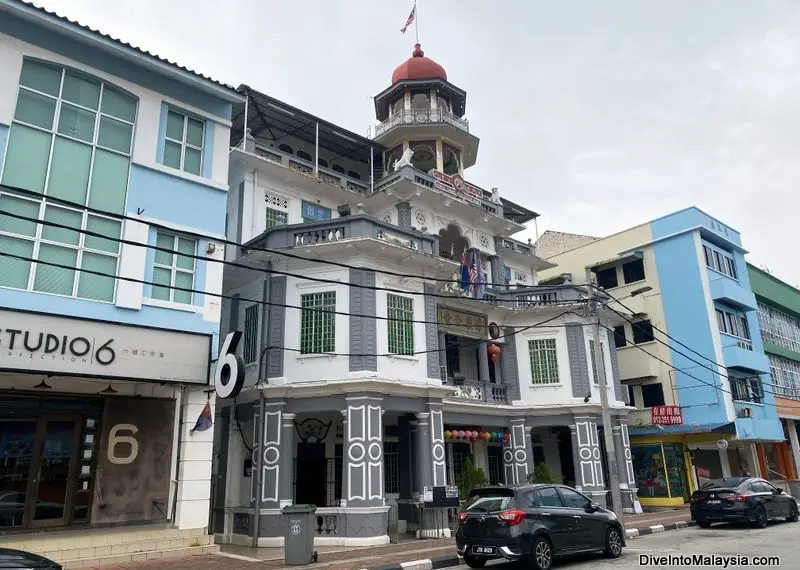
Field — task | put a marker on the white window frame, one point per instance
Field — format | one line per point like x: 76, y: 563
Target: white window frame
x: 183, y: 143
x: 173, y: 267
x: 276, y: 203
x: 552, y: 380
x: 94, y: 144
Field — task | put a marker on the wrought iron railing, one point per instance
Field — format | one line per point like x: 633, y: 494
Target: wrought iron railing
x: 306, y: 167
x: 422, y: 117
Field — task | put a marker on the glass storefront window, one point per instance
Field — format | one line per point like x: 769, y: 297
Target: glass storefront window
x: 648, y: 463
x: 676, y: 473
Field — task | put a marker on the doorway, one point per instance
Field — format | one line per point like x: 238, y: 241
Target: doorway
x: 38, y: 459
x: 310, y: 474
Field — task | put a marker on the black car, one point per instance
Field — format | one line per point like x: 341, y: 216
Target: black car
x: 19, y: 560
x: 534, y: 523
x: 741, y: 499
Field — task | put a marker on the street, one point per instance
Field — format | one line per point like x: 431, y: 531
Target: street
x: 779, y: 539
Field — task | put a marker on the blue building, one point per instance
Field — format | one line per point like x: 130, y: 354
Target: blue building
x: 106, y: 152
x: 689, y: 347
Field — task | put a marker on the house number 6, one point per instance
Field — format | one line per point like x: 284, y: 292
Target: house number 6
x: 114, y: 439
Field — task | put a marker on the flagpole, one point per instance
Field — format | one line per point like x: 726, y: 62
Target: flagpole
x: 416, y: 20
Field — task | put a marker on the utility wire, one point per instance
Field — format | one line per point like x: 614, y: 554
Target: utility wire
x: 232, y: 263
x: 219, y: 295
x: 231, y: 297
x: 226, y: 241
x: 720, y: 388
x: 689, y: 358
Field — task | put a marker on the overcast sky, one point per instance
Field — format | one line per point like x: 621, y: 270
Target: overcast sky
x: 597, y: 115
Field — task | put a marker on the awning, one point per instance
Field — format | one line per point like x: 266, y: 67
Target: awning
x: 725, y: 428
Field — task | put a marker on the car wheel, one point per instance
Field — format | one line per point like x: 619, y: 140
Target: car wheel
x: 795, y: 515
x: 542, y: 554
x: 613, y: 543
x: 760, y: 517
x: 473, y: 562
x: 704, y: 524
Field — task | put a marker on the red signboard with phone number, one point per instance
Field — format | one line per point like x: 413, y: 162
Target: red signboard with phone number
x: 667, y: 415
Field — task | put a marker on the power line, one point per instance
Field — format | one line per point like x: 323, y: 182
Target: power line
x: 226, y: 241
x: 231, y: 297
x: 689, y: 358
x: 219, y: 295
x: 231, y: 263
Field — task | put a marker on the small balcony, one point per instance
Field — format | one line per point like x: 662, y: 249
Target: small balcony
x: 739, y: 354
x: 635, y: 364
x: 730, y: 292
x: 306, y: 167
x: 421, y: 117
x: 486, y: 392
x: 536, y: 296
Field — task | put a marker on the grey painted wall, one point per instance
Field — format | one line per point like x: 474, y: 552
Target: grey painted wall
x: 510, y: 364
x: 578, y: 364
x: 276, y: 327
x: 431, y: 331
x: 363, y: 330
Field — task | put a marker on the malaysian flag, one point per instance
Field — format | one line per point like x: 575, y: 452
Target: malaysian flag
x: 410, y: 20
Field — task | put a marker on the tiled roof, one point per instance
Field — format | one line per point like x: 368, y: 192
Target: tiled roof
x: 121, y: 43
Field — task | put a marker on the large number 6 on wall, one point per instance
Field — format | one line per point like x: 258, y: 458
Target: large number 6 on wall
x: 114, y: 440
x: 229, y: 374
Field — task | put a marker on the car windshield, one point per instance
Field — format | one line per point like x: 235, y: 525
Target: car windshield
x: 726, y: 483
x: 490, y: 502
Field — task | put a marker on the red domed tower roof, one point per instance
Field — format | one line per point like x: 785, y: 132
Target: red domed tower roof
x: 418, y: 67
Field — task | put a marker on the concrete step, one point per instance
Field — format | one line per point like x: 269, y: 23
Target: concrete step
x: 127, y: 548
x: 138, y: 556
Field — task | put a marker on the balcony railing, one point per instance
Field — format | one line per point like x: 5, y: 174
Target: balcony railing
x: 487, y: 392
x: 307, y: 167
x: 536, y: 296
x: 422, y: 117
x: 345, y: 228
x: 411, y: 174
x: 517, y: 246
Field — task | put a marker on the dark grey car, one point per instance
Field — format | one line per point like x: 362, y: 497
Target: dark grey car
x: 534, y: 524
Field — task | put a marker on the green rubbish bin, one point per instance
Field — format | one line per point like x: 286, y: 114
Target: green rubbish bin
x: 298, y: 544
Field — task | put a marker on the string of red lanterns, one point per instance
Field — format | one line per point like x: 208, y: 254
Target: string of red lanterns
x: 472, y: 435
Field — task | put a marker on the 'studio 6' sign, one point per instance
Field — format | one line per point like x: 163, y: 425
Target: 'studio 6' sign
x: 229, y: 375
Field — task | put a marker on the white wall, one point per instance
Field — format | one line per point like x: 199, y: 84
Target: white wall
x: 313, y: 367
x: 548, y: 394
x: 148, y: 118
x: 612, y: 397
x: 404, y: 368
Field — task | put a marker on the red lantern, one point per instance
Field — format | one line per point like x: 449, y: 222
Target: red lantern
x: 494, y: 352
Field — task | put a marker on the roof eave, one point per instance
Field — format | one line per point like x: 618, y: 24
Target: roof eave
x: 85, y: 35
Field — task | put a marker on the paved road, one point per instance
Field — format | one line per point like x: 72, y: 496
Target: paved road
x: 779, y: 539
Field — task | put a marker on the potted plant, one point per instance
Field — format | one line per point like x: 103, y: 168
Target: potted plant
x: 472, y: 478
x: 541, y: 474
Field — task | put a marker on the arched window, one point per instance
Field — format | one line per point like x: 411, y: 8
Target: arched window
x: 451, y: 243
x: 451, y: 161
x: 304, y: 155
x: 322, y: 162
x: 286, y: 148
x: 420, y: 101
x: 424, y: 158
x: 71, y: 138
x: 354, y: 174
x: 337, y: 168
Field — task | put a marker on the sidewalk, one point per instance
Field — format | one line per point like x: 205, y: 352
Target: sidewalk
x: 434, y: 553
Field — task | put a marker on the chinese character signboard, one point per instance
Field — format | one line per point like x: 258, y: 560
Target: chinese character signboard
x: 458, y: 187
x: 461, y: 323
x: 667, y: 415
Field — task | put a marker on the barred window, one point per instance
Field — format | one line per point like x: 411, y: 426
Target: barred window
x: 400, y: 311
x: 785, y: 377
x: 250, y: 334
x: 317, y: 323
x: 391, y: 467
x: 544, y: 361
x: 275, y: 217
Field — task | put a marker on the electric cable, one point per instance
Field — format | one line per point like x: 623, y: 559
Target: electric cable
x: 683, y: 354
x: 225, y: 241
x: 219, y: 295
x: 236, y: 264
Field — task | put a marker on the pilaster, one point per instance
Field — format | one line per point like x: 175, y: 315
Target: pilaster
x: 363, y: 452
x: 483, y: 362
x: 285, y: 490
x: 267, y: 452
x: 517, y: 453
x: 589, y: 461
x: 622, y: 450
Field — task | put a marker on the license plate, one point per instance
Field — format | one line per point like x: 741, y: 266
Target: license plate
x: 713, y: 502
x: 483, y: 549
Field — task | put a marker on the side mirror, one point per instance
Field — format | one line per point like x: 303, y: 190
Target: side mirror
x: 592, y: 507
x: 779, y: 491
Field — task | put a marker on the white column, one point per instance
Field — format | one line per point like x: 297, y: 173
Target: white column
x: 723, y: 460
x: 791, y: 427
x: 752, y: 460
x: 194, y: 468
